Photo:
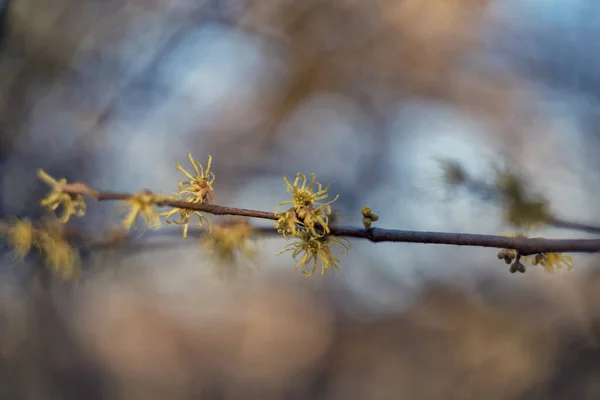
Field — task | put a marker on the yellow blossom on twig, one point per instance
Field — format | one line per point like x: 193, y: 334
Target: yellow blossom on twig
x: 307, y: 211
x: 142, y: 205
x: 73, y: 204
x: 316, y: 250
x: 287, y: 223
x: 184, y: 218
x: 60, y: 257
x: 199, y: 187
x: 553, y: 262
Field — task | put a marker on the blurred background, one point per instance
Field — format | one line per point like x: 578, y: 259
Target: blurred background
x: 367, y: 94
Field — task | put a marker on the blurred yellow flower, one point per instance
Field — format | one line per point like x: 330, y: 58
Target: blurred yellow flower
x: 554, y: 262
x: 141, y: 205
x: 60, y: 257
x: 20, y: 235
x: 73, y: 204
x: 229, y: 244
x: 48, y: 237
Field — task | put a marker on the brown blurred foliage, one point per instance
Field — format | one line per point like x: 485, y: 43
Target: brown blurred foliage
x: 275, y: 338
x: 374, y: 54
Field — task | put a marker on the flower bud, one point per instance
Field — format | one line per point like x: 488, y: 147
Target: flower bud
x: 510, y: 255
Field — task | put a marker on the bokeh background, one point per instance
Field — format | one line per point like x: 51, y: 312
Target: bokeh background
x: 367, y: 94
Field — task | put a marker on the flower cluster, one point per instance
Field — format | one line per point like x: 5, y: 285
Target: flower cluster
x: 20, y: 235
x: 60, y: 256
x: 307, y: 212
x: 368, y: 217
x: 307, y: 220
x: 550, y: 261
x: 553, y: 262
x: 198, y: 189
x: 229, y: 243
x: 72, y: 204
x: 48, y: 238
x: 509, y: 255
x: 314, y: 249
x: 141, y: 206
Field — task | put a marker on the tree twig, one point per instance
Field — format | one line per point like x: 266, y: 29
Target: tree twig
x: 525, y: 246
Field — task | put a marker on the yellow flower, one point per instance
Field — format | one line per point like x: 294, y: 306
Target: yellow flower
x: 61, y: 258
x: 304, y: 195
x: 73, y: 204
x: 199, y: 187
x: 288, y: 223
x: 553, y: 261
x: 142, y: 205
x: 314, y: 249
x: 229, y: 243
x: 306, y: 211
x: 20, y: 234
x: 184, y: 218
x: 311, y: 216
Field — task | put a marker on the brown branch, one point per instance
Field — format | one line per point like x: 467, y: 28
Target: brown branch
x: 82, y: 189
x: 525, y: 246
x: 575, y: 226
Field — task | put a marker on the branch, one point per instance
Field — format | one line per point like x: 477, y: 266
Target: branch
x: 576, y: 226
x: 525, y: 246
x: 456, y: 176
x: 82, y: 189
